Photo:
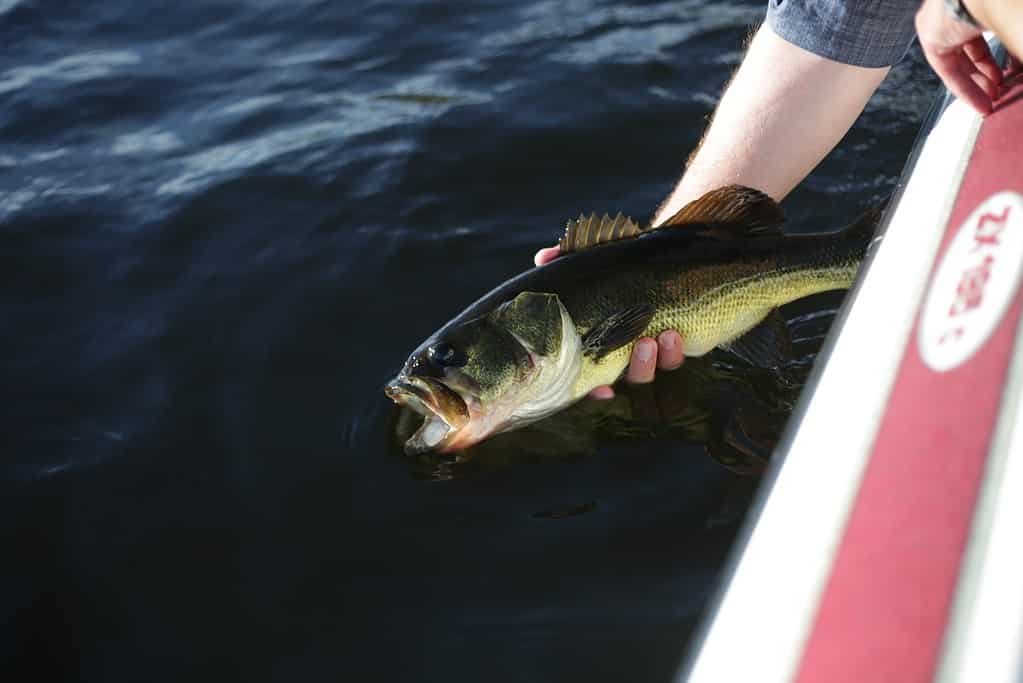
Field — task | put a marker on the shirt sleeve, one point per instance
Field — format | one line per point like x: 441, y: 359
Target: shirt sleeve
x: 870, y: 33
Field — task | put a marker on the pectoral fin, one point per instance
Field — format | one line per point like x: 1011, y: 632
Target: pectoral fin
x: 617, y: 330
x: 768, y: 345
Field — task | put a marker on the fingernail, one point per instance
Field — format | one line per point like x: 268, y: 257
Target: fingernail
x: 643, y: 352
x: 667, y: 341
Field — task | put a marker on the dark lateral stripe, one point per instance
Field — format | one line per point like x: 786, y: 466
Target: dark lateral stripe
x: 885, y: 608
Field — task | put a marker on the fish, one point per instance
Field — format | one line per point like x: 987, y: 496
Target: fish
x: 716, y: 271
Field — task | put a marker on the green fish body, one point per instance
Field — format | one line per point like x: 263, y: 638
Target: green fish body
x: 544, y: 339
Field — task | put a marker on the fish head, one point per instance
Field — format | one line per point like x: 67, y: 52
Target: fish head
x: 489, y: 374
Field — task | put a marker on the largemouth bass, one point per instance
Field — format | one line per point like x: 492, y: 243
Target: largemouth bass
x: 716, y: 271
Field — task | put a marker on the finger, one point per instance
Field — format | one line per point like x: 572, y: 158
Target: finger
x: 981, y: 81
x: 950, y: 69
x: 546, y: 255
x: 980, y: 54
x: 669, y: 350
x: 968, y: 84
x: 643, y: 362
x: 602, y: 393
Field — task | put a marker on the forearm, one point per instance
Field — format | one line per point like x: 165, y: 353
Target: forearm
x: 1004, y: 18
x: 784, y: 110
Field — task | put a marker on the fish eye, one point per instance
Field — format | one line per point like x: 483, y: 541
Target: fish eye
x: 446, y: 356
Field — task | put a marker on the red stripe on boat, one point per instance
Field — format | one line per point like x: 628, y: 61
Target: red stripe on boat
x: 886, y: 605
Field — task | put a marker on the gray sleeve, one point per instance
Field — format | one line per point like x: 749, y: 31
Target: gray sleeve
x: 871, y: 33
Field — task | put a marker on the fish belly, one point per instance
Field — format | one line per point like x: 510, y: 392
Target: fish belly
x: 709, y: 306
x: 721, y: 314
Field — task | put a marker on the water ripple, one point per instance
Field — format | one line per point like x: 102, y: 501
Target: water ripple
x: 43, y: 189
x: 226, y: 225
x: 338, y: 49
x: 225, y: 158
x: 249, y: 105
x: 412, y: 99
x: 81, y: 67
x: 626, y: 45
x: 147, y: 140
x: 589, y: 35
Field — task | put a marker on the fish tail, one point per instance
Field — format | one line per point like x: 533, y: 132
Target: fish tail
x: 849, y: 246
x: 864, y: 227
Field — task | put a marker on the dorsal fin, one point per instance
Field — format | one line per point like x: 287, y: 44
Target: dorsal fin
x: 733, y: 209
x: 589, y: 231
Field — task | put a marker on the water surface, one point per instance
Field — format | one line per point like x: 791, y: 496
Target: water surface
x: 224, y: 227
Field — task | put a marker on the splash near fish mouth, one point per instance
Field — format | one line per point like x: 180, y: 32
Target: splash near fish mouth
x: 443, y: 410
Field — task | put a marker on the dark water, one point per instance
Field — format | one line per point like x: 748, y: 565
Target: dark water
x: 225, y: 224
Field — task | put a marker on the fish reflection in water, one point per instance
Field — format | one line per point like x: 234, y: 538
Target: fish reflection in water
x: 735, y: 411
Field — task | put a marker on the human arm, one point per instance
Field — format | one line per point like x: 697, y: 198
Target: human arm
x: 784, y: 110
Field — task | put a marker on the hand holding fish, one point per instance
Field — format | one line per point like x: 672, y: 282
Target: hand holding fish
x: 648, y: 354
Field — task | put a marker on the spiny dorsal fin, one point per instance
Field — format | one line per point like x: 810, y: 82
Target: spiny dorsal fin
x: 734, y: 209
x: 589, y: 231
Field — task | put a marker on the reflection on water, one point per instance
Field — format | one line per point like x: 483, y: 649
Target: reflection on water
x: 736, y: 412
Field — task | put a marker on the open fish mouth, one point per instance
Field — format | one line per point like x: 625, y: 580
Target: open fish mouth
x: 444, y: 411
